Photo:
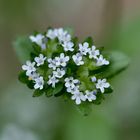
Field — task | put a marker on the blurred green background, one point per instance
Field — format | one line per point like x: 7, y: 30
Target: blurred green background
x: 114, y: 24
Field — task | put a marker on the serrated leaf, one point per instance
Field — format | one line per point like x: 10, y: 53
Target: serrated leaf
x: 38, y: 93
x: 23, y: 48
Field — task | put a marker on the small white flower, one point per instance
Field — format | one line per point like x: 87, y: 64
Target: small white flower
x: 93, y: 53
x: 62, y: 60
x: 93, y: 79
x: 40, y: 60
x: 90, y: 96
x: 63, y: 35
x: 78, y: 59
x: 60, y: 33
x: 51, y: 34
x: 59, y: 73
x: 33, y: 76
x: 52, y: 81
x: 73, y: 90
x: 71, y: 82
x: 102, y: 84
x: 38, y: 39
x: 29, y: 67
x: 68, y: 46
x: 39, y: 83
x: 52, y: 63
x: 78, y: 97
x: 102, y: 61
x: 84, y: 49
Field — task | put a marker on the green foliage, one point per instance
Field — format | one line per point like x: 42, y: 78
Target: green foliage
x: 38, y: 93
x: 23, y: 48
x: 28, y: 51
x: 54, y: 91
x: 119, y: 62
x: 84, y: 108
x: 22, y: 77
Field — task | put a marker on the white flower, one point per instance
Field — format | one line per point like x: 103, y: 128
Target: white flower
x: 102, y: 84
x: 38, y: 39
x: 93, y: 79
x: 52, y: 63
x: 60, y: 33
x: 71, y: 82
x: 68, y: 46
x: 63, y: 35
x: 62, y: 60
x: 29, y: 67
x: 73, y: 90
x: 90, y: 95
x: 39, y: 83
x: 51, y: 34
x: 102, y: 61
x: 59, y: 73
x: 33, y: 76
x: 78, y: 59
x: 84, y: 49
x: 93, y: 53
x: 40, y: 60
x: 52, y: 81
x: 78, y: 97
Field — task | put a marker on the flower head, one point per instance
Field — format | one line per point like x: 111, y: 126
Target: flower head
x: 38, y: 39
x: 39, y: 83
x: 62, y: 60
x: 71, y: 82
x: 78, y: 59
x: 90, y: 95
x: 52, y: 81
x: 29, y: 67
x: 84, y: 49
x: 40, y: 60
x: 78, y: 97
x: 93, y: 53
x: 102, y: 84
x: 51, y: 34
x: 67, y: 66
x: 59, y: 73
x: 102, y: 61
x: 68, y: 46
x: 52, y: 63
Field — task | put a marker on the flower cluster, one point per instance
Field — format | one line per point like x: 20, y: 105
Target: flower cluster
x: 65, y: 66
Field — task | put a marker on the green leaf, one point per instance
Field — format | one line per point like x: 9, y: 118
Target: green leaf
x: 38, y: 93
x: 108, y: 90
x: 22, y: 77
x: 85, y: 108
x: 99, y: 98
x: 54, y: 91
x: 119, y: 62
x: 89, y: 40
x: 30, y: 84
x: 23, y: 48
